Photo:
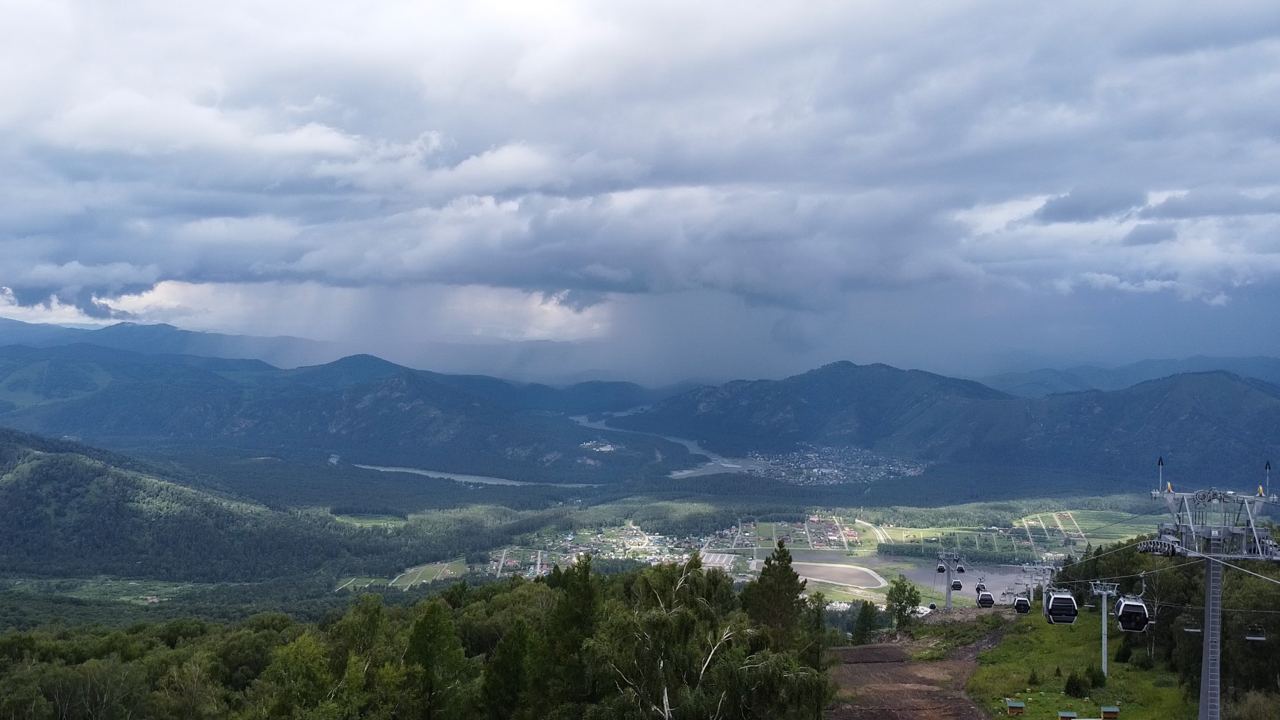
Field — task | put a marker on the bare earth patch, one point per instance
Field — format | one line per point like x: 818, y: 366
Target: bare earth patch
x: 883, y: 682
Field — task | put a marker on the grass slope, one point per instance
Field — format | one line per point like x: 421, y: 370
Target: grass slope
x: 1032, y: 643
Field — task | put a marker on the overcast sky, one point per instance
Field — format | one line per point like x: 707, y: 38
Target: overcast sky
x: 652, y: 189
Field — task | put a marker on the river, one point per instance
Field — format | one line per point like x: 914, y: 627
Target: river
x: 463, y: 478
x: 715, y: 463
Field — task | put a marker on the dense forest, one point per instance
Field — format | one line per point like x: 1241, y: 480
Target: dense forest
x: 69, y: 514
x: 674, y: 641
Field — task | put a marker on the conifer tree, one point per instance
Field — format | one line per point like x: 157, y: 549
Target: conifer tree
x: 437, y: 661
x: 506, y: 676
x: 571, y: 622
x: 864, y: 623
x: 774, y: 601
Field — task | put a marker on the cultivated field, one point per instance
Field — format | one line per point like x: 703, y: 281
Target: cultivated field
x: 390, y: 521
x: 430, y: 572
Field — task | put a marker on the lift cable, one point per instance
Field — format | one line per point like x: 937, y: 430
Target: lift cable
x: 1161, y: 606
x: 1124, y: 520
x: 1123, y: 577
x: 1101, y: 554
x: 1234, y: 567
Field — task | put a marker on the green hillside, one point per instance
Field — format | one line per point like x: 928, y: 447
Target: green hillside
x: 71, y: 511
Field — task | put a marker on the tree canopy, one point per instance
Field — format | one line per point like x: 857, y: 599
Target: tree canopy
x: 670, y: 641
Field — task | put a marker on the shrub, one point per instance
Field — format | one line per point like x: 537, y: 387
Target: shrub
x: 1254, y: 705
x: 1124, y: 653
x: 1095, y: 677
x: 1033, y: 679
x: 1076, y: 686
x: 1143, y: 661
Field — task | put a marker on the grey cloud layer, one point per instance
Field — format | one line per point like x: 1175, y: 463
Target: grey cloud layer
x: 788, y: 156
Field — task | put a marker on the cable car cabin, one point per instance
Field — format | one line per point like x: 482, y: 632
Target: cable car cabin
x: 1255, y: 633
x: 1060, y: 608
x: 942, y: 568
x: 1132, y: 615
x: 986, y: 600
x: 1021, y: 605
x: 957, y: 585
x: 959, y: 568
x: 980, y: 587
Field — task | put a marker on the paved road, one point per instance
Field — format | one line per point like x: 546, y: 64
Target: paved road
x: 881, y: 536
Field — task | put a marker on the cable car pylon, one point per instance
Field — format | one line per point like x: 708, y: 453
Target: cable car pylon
x: 950, y: 562
x: 1217, y: 525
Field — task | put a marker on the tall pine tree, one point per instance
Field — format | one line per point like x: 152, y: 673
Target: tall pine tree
x: 864, y: 623
x: 436, y: 661
x: 775, y: 600
x: 506, y: 677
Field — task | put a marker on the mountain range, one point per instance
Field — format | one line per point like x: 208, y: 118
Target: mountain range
x: 1213, y: 427
x: 160, y: 338
x: 1105, y: 425
x: 364, y: 409
x: 1047, y: 381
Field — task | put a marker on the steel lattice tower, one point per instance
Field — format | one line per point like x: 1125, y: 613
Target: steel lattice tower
x: 1216, y: 525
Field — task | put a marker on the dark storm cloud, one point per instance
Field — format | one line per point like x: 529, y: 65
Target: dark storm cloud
x: 1085, y: 204
x: 575, y: 168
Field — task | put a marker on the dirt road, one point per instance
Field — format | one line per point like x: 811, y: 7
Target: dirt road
x: 882, y: 682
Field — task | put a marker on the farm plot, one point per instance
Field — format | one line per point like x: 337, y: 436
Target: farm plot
x: 1107, y: 526
x: 430, y: 572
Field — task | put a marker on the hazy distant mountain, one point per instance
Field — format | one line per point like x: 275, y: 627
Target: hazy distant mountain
x: 1212, y: 427
x: 167, y: 339
x: 365, y: 409
x: 1038, y: 383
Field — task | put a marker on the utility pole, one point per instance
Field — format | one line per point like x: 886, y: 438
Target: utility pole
x: 1105, y: 590
x: 1216, y: 525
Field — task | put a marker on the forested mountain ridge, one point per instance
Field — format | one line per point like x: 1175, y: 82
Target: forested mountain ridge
x: 1212, y: 425
x: 840, y: 403
x: 1047, y: 381
x: 68, y: 509
x: 367, y: 410
x: 362, y: 408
